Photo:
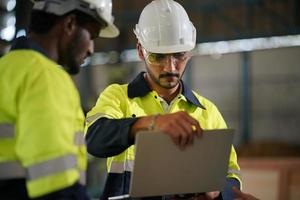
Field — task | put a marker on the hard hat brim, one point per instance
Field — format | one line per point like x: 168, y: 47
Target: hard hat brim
x: 110, y: 31
x: 168, y: 49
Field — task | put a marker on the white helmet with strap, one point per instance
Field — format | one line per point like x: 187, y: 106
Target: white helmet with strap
x: 100, y: 10
x: 164, y: 27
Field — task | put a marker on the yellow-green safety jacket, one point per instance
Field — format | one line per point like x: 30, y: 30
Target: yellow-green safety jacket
x: 41, y: 124
x: 118, y: 107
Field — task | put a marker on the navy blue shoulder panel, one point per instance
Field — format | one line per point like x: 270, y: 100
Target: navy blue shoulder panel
x: 25, y: 43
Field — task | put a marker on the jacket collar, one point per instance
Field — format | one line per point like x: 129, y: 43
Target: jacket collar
x: 25, y: 43
x: 139, y: 88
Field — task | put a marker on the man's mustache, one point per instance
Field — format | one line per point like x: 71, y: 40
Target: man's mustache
x: 168, y: 75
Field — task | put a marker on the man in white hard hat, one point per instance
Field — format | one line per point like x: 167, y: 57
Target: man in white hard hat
x: 155, y: 99
x: 42, y: 148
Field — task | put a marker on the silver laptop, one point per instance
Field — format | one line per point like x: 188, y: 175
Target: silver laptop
x: 161, y: 168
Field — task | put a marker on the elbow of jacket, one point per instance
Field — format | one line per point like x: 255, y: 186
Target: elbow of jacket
x: 97, y: 152
x: 101, y: 152
x: 94, y: 148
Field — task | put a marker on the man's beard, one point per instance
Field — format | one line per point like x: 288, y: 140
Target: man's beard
x: 72, y: 66
x: 167, y: 85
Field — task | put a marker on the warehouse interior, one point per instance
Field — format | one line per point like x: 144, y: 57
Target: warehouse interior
x: 246, y: 61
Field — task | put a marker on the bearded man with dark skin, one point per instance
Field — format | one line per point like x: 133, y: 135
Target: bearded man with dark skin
x: 42, y: 150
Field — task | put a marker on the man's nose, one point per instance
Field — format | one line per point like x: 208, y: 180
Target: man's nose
x: 169, y: 64
x: 91, y: 48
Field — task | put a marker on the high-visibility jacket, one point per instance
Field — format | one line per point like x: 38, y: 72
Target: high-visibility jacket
x: 41, y: 124
x: 136, y: 100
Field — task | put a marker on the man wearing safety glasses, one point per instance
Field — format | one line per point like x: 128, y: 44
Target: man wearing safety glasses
x: 168, y: 66
x: 156, y: 99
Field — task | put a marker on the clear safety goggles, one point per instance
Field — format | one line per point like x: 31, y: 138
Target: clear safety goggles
x: 160, y: 58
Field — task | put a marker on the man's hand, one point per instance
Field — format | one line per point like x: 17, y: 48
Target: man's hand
x: 180, y: 126
x: 202, y: 196
x: 239, y: 195
x: 207, y: 196
x: 212, y: 195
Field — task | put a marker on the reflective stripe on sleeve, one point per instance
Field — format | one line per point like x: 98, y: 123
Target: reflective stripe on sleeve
x: 120, y: 167
x: 96, y: 116
x: 79, y: 138
x: 53, y: 166
x: 234, y: 171
x: 7, y: 131
x: 12, y: 169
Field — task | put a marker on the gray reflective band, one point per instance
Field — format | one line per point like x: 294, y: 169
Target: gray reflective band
x: 79, y: 138
x: 234, y: 171
x: 53, y: 166
x: 96, y: 116
x: 7, y: 131
x: 12, y: 169
x: 120, y: 167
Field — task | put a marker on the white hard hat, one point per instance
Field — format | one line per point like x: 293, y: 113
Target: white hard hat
x: 164, y: 27
x: 98, y: 9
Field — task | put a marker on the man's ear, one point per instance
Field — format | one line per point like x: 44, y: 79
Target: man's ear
x: 140, y: 51
x: 69, y: 25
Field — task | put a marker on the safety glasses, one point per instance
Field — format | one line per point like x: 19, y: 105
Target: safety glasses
x: 160, y: 59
